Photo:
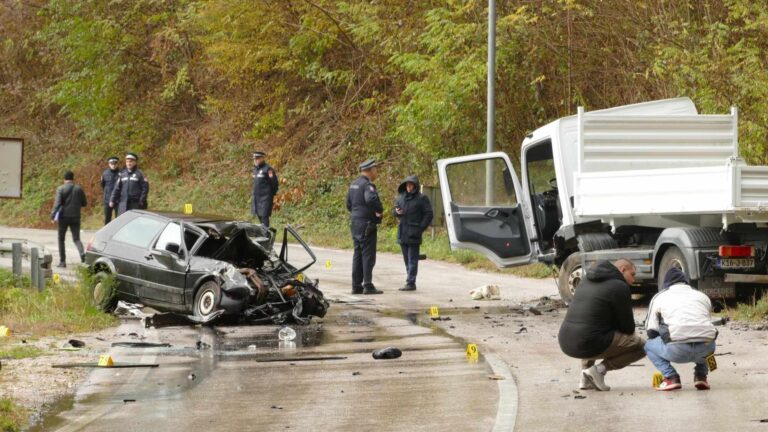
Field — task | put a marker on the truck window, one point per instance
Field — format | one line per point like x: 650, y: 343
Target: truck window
x: 540, y: 167
x: 466, y: 181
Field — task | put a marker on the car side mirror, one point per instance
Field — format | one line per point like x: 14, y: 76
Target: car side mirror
x: 174, y: 248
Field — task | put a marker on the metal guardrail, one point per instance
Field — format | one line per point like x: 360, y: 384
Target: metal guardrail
x: 39, y: 258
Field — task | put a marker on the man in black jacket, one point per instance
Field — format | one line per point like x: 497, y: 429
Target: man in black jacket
x: 108, y: 180
x: 414, y: 213
x: 365, y: 211
x: 132, y: 187
x: 600, y: 324
x: 265, y: 186
x: 70, y: 198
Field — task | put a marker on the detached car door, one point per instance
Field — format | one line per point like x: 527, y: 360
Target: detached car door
x: 482, y: 212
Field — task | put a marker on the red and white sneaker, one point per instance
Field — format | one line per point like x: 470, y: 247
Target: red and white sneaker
x: 669, y: 384
x: 700, y: 383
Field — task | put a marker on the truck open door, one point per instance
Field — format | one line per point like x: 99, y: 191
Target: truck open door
x: 491, y: 220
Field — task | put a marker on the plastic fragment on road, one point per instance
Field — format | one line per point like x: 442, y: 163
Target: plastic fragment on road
x: 387, y: 353
x: 286, y: 334
x: 486, y: 292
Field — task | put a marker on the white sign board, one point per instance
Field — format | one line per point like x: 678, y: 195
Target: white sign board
x: 11, y: 163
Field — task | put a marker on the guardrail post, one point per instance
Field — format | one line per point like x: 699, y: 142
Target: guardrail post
x: 34, y: 264
x: 45, y: 271
x: 16, y: 258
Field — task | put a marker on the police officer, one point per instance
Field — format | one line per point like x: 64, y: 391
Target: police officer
x: 366, y: 210
x: 132, y: 187
x: 264, y: 188
x: 108, y: 180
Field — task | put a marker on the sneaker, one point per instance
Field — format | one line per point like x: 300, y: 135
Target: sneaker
x: 585, y: 384
x: 595, y: 378
x: 700, y: 383
x: 61, y: 265
x: 408, y: 287
x: 669, y: 384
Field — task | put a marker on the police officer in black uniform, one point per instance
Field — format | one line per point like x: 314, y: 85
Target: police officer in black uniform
x: 264, y: 188
x: 366, y: 210
x: 108, y: 180
x: 131, y: 189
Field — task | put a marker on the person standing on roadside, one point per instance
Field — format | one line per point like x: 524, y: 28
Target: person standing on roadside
x: 70, y: 198
x: 131, y: 189
x: 680, y: 330
x: 414, y: 213
x: 108, y: 180
x: 366, y: 211
x: 600, y: 323
x: 265, y: 186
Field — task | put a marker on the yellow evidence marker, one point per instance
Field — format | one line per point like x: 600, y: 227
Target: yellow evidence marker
x: 5, y: 331
x: 300, y: 277
x: 328, y: 264
x: 472, y: 353
x: 658, y: 378
x: 56, y: 279
x: 711, y: 362
x: 188, y: 208
x: 434, y: 312
x: 105, y: 360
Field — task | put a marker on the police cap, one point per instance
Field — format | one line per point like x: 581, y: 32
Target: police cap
x: 370, y: 163
x: 113, y: 159
x: 257, y: 154
x: 131, y: 155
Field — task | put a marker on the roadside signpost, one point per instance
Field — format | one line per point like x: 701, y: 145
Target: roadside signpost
x: 11, y: 167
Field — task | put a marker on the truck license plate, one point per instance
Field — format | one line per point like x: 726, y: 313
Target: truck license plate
x: 735, y: 263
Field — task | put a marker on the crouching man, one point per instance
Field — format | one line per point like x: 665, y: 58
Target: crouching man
x: 680, y: 330
x: 599, y: 323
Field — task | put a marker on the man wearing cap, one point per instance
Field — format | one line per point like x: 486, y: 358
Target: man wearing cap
x: 365, y: 210
x: 264, y: 188
x: 131, y: 189
x: 108, y: 180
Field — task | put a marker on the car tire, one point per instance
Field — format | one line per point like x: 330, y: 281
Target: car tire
x: 571, y: 275
x: 103, y: 294
x: 673, y: 257
x: 207, y: 299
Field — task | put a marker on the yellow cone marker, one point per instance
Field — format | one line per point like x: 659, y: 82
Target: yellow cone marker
x: 105, y: 360
x: 56, y: 279
x: 300, y: 277
x: 472, y: 353
x: 5, y: 331
x: 328, y: 264
x: 434, y: 312
x: 188, y: 208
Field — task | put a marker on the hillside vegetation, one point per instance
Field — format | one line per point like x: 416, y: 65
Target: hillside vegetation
x: 320, y: 85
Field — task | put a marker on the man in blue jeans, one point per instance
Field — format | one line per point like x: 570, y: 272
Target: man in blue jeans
x: 414, y: 214
x: 680, y: 330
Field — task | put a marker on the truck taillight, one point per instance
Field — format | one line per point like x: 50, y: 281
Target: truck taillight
x: 737, y: 251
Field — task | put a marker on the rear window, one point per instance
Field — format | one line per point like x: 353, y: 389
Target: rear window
x: 139, y: 232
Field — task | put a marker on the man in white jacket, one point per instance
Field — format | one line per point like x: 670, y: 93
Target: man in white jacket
x: 680, y: 330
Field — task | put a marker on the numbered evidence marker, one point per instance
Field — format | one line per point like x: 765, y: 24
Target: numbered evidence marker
x: 658, y: 378
x: 711, y: 362
x: 472, y: 353
x: 56, y: 279
x: 434, y: 312
x: 188, y: 208
x: 328, y: 264
x: 5, y: 331
x: 300, y: 277
x: 105, y: 360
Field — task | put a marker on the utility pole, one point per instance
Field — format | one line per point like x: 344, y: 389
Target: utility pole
x: 491, y: 109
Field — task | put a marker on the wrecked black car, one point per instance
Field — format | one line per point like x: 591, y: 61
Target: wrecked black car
x: 202, y: 266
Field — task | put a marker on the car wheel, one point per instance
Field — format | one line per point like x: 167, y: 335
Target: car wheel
x: 104, y: 294
x: 207, y: 299
x: 673, y: 257
x: 571, y: 274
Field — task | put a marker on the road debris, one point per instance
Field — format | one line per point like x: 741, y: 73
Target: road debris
x: 387, y: 353
x: 286, y: 334
x: 521, y: 330
x: 96, y: 365
x: 141, y: 345
x: 496, y: 377
x: 76, y: 343
x: 299, y: 359
x: 486, y: 292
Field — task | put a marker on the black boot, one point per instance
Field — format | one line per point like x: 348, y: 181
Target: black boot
x: 62, y: 265
x: 357, y: 290
x: 371, y: 290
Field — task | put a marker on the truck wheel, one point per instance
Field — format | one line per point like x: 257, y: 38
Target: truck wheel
x: 571, y: 274
x: 672, y: 257
x: 207, y: 299
x: 104, y: 294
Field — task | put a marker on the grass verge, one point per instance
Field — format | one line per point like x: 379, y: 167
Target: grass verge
x: 16, y: 352
x: 11, y: 416
x: 754, y: 311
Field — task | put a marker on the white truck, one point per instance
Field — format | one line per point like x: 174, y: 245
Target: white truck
x: 656, y: 182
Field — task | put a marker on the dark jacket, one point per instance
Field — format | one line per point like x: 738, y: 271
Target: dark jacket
x: 130, y: 191
x: 70, y: 198
x: 602, y: 305
x: 416, y: 215
x: 265, y: 187
x: 363, y: 200
x: 108, y: 180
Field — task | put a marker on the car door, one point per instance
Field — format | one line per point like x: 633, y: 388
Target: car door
x: 164, y: 270
x: 482, y: 209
